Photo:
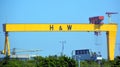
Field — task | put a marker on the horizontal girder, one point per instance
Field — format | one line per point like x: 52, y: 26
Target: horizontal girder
x: 58, y: 27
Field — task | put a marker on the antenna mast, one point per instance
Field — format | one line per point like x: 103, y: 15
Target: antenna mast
x: 109, y: 15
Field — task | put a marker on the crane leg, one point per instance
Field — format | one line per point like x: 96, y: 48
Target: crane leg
x: 111, y: 39
x: 7, y: 45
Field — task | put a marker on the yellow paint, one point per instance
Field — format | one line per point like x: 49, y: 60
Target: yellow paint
x: 111, y: 40
x: 111, y: 30
x: 46, y: 27
x: 7, y: 46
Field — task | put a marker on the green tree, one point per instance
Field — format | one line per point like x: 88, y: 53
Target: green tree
x: 11, y: 63
x: 39, y: 61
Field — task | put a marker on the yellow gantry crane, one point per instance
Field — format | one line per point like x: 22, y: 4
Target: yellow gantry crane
x: 110, y: 30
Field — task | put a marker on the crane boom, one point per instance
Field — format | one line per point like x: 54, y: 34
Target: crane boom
x: 111, y: 12
x: 16, y: 51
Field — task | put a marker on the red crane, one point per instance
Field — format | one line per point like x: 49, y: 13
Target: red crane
x: 96, y: 20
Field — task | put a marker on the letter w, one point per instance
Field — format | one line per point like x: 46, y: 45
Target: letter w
x: 69, y: 27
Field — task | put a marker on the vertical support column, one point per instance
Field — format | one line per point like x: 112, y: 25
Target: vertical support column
x: 7, y: 45
x: 111, y: 40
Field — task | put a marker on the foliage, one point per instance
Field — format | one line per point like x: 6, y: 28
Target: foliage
x: 11, y: 63
x: 104, y: 63
x: 50, y: 61
x: 116, y: 63
x: 57, y: 61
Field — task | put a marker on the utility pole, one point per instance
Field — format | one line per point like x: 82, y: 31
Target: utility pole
x: 79, y: 60
x: 62, y: 43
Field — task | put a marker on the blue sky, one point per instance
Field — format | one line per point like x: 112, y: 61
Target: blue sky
x: 57, y: 11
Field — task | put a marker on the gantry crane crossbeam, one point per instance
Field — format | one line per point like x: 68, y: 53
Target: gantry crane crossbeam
x: 58, y: 27
x: 110, y: 29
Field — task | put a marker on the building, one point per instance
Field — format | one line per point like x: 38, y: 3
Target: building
x: 23, y: 57
x: 86, y: 54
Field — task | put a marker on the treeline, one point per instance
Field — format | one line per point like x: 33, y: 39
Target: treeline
x: 57, y: 61
x: 103, y: 63
x: 50, y: 61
